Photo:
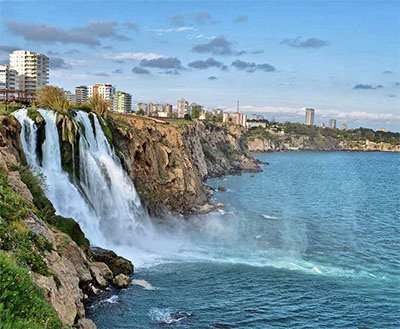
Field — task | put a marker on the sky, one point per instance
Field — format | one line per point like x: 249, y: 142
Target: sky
x: 341, y: 58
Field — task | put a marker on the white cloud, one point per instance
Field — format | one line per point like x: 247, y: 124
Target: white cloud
x: 173, y: 29
x: 131, y: 56
x: 194, y: 36
x: 78, y: 62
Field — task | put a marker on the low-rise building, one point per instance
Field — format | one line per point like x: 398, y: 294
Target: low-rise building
x: 256, y: 124
x: 235, y: 118
x: 69, y: 96
x: 343, y: 127
x: 142, y: 107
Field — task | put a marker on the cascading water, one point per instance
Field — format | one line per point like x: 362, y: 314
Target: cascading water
x: 104, y: 201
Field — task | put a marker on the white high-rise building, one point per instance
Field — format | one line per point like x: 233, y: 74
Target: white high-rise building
x: 32, y: 68
x: 8, y: 78
x: 106, y: 91
x: 332, y: 123
x: 310, y: 117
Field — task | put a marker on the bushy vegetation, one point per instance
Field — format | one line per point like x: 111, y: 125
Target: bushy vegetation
x: 22, y: 304
x: 7, y: 108
x: 50, y: 97
x: 326, y: 135
x: 99, y: 105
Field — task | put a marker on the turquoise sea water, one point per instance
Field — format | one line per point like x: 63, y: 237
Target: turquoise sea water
x: 312, y: 242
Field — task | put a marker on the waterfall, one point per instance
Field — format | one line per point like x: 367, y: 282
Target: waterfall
x: 104, y: 201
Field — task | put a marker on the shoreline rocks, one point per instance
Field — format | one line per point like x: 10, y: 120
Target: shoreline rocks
x: 117, y: 264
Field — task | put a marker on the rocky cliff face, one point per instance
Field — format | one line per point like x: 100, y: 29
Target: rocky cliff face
x: 305, y: 143
x: 65, y: 272
x: 169, y: 162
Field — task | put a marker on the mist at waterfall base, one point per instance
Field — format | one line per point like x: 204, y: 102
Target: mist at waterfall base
x: 311, y: 242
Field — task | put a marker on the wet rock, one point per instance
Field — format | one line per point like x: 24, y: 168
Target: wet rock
x: 180, y: 315
x: 85, y: 324
x: 222, y: 188
x: 117, y: 264
x: 101, y: 273
x: 121, y: 281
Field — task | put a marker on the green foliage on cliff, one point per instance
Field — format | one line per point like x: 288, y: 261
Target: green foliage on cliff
x: 72, y: 228
x: 8, y: 108
x: 22, y: 304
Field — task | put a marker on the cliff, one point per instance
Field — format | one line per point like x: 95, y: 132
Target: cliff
x: 169, y: 162
x: 47, y: 270
x: 275, y: 142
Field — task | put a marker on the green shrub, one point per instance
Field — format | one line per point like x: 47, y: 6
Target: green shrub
x: 12, y: 205
x: 22, y: 304
x: 72, y: 228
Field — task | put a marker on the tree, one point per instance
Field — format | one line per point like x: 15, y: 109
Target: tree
x: 140, y: 112
x: 187, y: 117
x: 52, y: 98
x: 196, y: 111
x: 99, y: 105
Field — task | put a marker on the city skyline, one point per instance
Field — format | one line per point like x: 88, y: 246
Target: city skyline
x: 202, y: 51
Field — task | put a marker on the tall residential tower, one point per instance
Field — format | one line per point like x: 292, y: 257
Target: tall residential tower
x: 32, y: 68
x: 310, y: 117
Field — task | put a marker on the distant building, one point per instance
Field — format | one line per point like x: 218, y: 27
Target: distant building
x: 168, y: 109
x: 332, y: 123
x: 69, y: 96
x: 310, y: 117
x: 81, y: 94
x: 158, y: 108
x: 256, y: 117
x: 235, y: 118
x: 322, y: 125
x: 141, y: 107
x: 122, y: 102
x: 150, y: 108
x: 256, y: 124
x: 183, y: 108
x: 9, y: 79
x: 32, y: 68
x: 106, y: 91
x: 382, y: 129
x: 343, y: 127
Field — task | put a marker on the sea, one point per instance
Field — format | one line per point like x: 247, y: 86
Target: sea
x: 313, y: 241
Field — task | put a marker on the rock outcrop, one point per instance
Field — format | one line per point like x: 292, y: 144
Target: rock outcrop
x: 169, y: 162
x: 117, y: 264
x: 279, y: 143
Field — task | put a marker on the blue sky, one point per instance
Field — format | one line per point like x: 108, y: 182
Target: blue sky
x: 276, y: 57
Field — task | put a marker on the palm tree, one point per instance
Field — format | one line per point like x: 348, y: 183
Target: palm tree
x: 53, y: 98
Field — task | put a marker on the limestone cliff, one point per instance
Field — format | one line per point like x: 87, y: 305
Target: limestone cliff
x: 279, y: 142
x: 168, y: 162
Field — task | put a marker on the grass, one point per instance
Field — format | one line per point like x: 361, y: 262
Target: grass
x: 22, y: 303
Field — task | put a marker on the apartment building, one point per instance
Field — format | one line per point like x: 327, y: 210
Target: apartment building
x: 32, y: 69
x: 141, y: 107
x: 69, y: 96
x: 183, y: 108
x: 168, y: 109
x: 81, y: 94
x: 235, y: 118
x: 310, y: 113
x: 106, y: 91
x: 332, y: 123
x: 9, y: 79
x: 122, y: 102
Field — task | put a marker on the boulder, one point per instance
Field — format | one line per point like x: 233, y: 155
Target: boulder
x: 85, y: 324
x: 101, y: 273
x: 222, y: 188
x: 117, y: 264
x: 121, y: 281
